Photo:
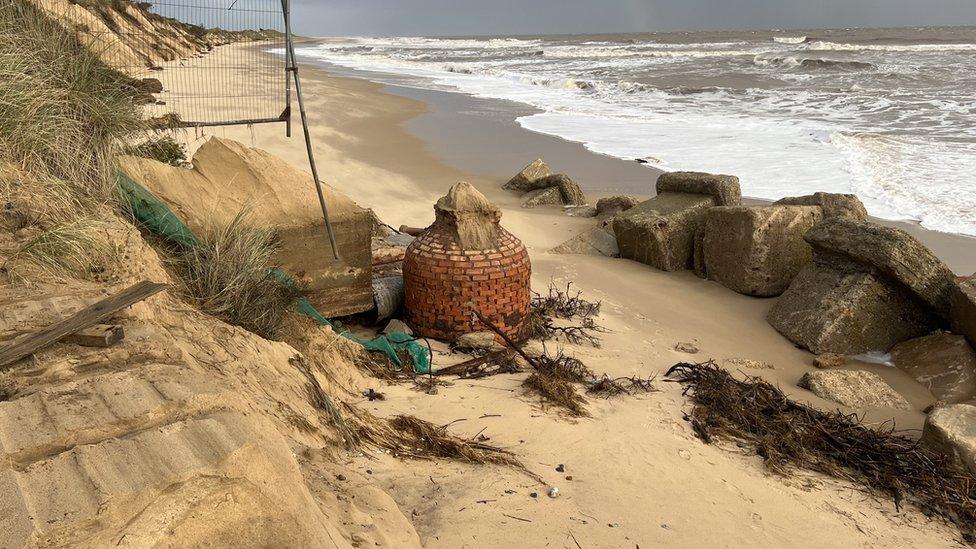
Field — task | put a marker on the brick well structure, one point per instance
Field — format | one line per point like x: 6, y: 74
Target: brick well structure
x: 466, y: 262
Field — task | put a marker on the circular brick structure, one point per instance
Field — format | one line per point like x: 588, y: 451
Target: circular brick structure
x: 466, y: 262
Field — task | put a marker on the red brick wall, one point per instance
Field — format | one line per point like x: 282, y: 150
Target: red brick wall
x: 444, y: 284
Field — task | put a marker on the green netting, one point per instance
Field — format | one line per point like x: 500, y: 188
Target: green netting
x: 155, y: 216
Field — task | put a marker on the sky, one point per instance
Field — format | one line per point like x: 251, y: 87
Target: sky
x: 480, y: 17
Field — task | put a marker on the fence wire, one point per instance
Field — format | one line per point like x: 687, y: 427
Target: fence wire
x: 195, y: 62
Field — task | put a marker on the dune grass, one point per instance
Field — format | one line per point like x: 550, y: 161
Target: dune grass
x: 63, y: 112
x: 63, y: 117
x: 228, y: 274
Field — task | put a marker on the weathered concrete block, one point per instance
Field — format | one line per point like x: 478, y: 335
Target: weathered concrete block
x: 542, y: 197
x: 962, y: 309
x: 943, y: 362
x: 835, y: 306
x: 757, y: 250
x: 613, y: 205
x: 526, y: 179
x: 725, y: 188
x: 833, y: 204
x: 228, y: 177
x: 951, y: 431
x: 892, y: 252
x: 596, y: 241
x: 661, y: 231
x: 853, y: 388
x: 571, y: 193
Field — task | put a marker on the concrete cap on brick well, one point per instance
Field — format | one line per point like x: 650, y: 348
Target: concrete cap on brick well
x: 471, y: 215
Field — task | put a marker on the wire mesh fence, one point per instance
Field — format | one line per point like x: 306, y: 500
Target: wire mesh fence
x: 193, y: 62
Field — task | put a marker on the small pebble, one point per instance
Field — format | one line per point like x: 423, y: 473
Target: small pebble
x: 534, y: 495
x: 554, y: 492
x: 340, y: 477
x: 560, y: 468
x: 569, y: 477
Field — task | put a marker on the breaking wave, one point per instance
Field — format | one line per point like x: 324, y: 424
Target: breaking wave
x: 812, y: 63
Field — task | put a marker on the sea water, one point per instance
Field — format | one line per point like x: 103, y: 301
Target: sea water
x: 887, y: 114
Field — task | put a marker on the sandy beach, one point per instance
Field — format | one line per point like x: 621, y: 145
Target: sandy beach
x: 640, y: 478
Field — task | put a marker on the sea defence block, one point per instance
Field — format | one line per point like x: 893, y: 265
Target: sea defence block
x: 833, y: 204
x: 228, y: 177
x: 942, y: 362
x: 963, y: 308
x: 951, y: 431
x: 757, y: 250
x: 525, y: 180
x: 661, y: 231
x: 837, y: 306
x: 892, y: 252
x: 725, y: 188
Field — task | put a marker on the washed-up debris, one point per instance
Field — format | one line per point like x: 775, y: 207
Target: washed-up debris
x: 787, y: 434
x: 564, y: 305
x: 38, y: 340
x: 555, y: 377
x: 494, y: 363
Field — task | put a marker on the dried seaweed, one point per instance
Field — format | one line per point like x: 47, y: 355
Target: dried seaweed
x: 611, y: 387
x: 557, y: 391
x: 413, y: 438
x: 787, y: 434
x: 564, y: 305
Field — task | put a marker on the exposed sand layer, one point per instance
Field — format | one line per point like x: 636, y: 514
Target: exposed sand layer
x: 639, y: 475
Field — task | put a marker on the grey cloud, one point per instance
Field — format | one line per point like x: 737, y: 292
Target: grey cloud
x: 471, y: 17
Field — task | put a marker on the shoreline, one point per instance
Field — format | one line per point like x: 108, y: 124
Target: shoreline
x: 633, y: 454
x: 447, y: 117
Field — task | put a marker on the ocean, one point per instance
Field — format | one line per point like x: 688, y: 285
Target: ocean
x: 887, y: 114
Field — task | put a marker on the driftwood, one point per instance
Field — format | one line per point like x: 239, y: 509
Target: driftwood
x: 101, y: 335
x: 493, y: 363
x: 35, y: 341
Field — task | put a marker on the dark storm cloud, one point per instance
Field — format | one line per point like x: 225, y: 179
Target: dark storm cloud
x: 427, y: 17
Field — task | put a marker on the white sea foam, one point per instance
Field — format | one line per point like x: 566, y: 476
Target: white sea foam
x: 780, y: 140
x: 834, y: 46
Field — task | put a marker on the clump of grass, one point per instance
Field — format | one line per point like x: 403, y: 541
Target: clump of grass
x: 163, y: 149
x: 228, y: 274
x: 77, y: 248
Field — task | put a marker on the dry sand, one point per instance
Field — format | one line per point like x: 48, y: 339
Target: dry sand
x: 639, y: 476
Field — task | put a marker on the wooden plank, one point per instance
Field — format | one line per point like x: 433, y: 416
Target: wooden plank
x: 100, y: 335
x: 35, y: 341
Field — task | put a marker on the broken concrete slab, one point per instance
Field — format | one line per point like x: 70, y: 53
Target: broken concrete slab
x: 526, y: 179
x: 757, y: 251
x: 661, y: 231
x: 962, y: 308
x: 550, y: 196
x: 571, y: 193
x: 942, y: 362
x: 228, y: 177
x: 951, y: 431
x: 596, y: 241
x: 891, y: 252
x: 725, y: 188
x: 833, y: 204
x: 853, y: 388
x: 834, y: 306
